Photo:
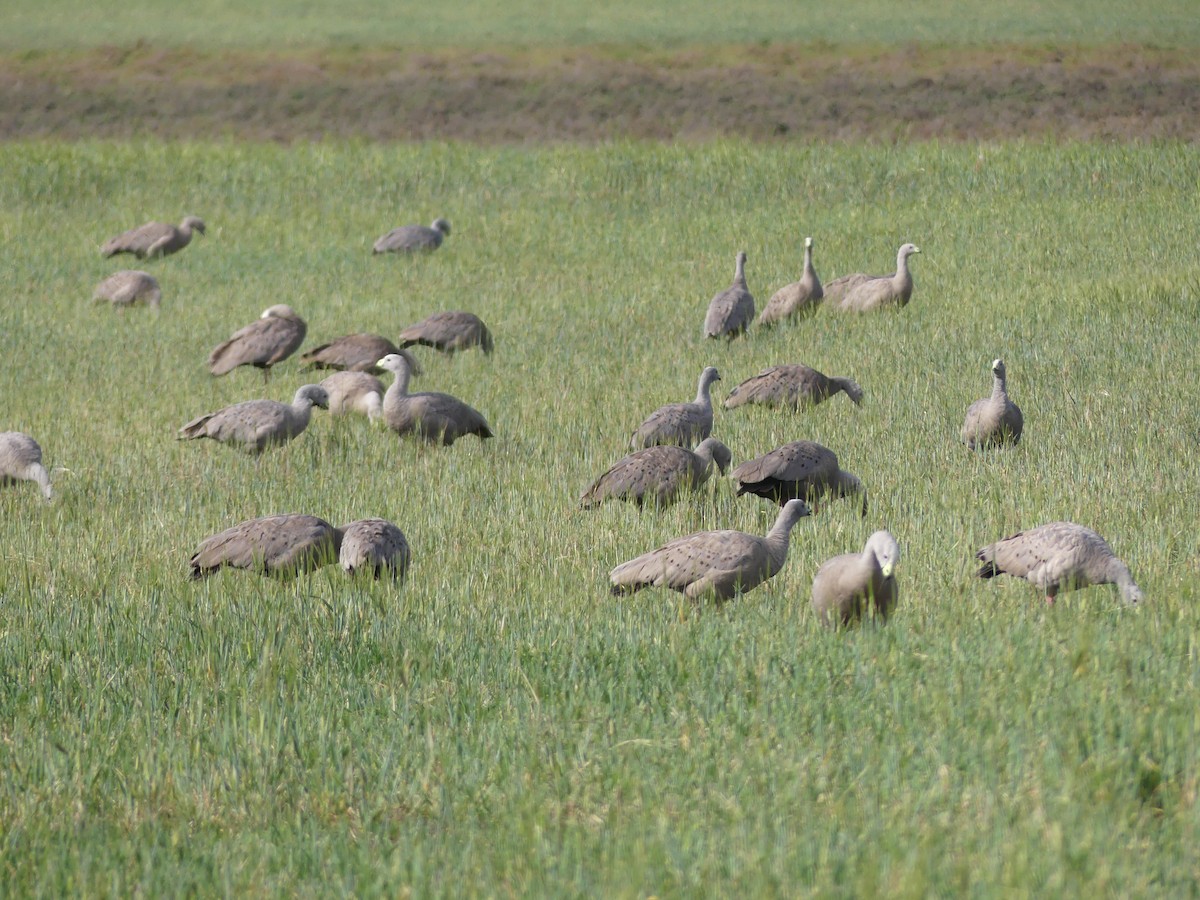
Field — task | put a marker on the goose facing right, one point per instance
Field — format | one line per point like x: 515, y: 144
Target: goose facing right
x: 1059, y: 556
x: 792, y: 386
x: 716, y: 563
x: 414, y: 238
x: 280, y: 545
x: 866, y: 293
x: 658, y: 475
x: 682, y: 424
x: 448, y: 332
x: 255, y: 425
x: 21, y: 460
x: 432, y: 416
x: 269, y: 339
x: 154, y: 239
x: 803, y: 469
x: 129, y: 287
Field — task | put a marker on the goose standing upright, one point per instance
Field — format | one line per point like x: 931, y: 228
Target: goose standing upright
x: 435, y: 417
x: 799, y: 297
x: 994, y: 420
x: 731, y: 311
x: 867, y: 293
x: 683, y: 424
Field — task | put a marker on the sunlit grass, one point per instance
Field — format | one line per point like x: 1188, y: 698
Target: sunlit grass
x: 500, y: 724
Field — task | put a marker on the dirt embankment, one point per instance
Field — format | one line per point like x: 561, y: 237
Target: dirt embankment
x: 761, y: 93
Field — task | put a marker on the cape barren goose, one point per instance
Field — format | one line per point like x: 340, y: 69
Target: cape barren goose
x: 355, y: 392
x: 658, y: 475
x: 847, y: 587
x: 683, y: 424
x: 354, y: 353
x: 154, y: 239
x: 449, y: 332
x: 414, y: 238
x: 792, y: 386
x: 798, y: 298
x: 272, y: 545
x: 801, y: 469
x: 129, y: 287
x: 255, y: 425
x: 1060, y: 556
x: 21, y: 460
x: 374, y: 546
x: 731, y: 311
x: 271, y: 338
x: 720, y: 563
x: 994, y: 420
x: 866, y: 293
x: 437, y: 418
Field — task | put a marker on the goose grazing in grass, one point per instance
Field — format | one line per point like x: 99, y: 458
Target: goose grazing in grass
x: 884, y: 291
x: 658, y: 475
x: 354, y: 353
x: 273, y: 545
x: 154, y: 239
x: 865, y: 293
x: 798, y: 298
x: 414, y: 238
x: 255, y: 425
x: 449, y: 332
x: 374, y: 546
x: 269, y: 339
x: 994, y: 420
x: 731, y: 311
x: 21, y: 460
x: 849, y: 586
x: 436, y: 418
x: 683, y: 424
x: 717, y: 563
x: 1060, y: 556
x: 355, y: 392
x: 801, y: 469
x: 792, y: 386
x: 129, y: 287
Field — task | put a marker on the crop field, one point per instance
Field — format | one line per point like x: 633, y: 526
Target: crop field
x: 498, y: 724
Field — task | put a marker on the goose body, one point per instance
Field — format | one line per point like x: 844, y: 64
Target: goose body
x: 683, y: 424
x: 434, y: 417
x: 791, y: 386
x: 272, y: 545
x: 803, y: 469
x: 129, y: 287
x: 154, y: 239
x: 355, y: 392
x: 351, y: 352
x: 255, y: 425
x: 994, y: 420
x: 658, y: 475
x: 869, y: 293
x: 1059, y: 556
x: 449, y: 332
x: 798, y: 298
x: 269, y: 339
x: 849, y: 586
x: 717, y: 563
x: 413, y: 238
x: 374, y: 546
x: 21, y: 460
x: 731, y: 311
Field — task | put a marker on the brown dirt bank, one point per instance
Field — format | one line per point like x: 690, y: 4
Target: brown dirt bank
x: 765, y: 93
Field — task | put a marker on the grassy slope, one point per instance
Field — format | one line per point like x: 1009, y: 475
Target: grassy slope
x: 500, y: 724
x: 25, y: 24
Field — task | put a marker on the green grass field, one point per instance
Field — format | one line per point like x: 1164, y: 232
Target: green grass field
x: 501, y: 726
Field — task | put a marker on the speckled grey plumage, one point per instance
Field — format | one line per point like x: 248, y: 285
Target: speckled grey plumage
x: 374, y: 546
x: 683, y: 424
x: 154, y: 239
x: 658, y: 475
x: 269, y: 339
x: 731, y: 311
x: 255, y: 425
x: 1059, y: 556
x: 994, y: 420
x: 803, y: 469
x: 449, y: 332
x: 852, y: 585
x: 798, y: 298
x: 432, y: 416
x: 793, y: 386
x: 273, y: 545
x: 355, y: 392
x: 129, y: 287
x: 413, y: 238
x: 352, y: 352
x: 870, y: 293
x: 716, y: 563
x: 21, y: 460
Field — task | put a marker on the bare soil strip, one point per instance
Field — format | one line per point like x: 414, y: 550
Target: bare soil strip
x: 534, y: 96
